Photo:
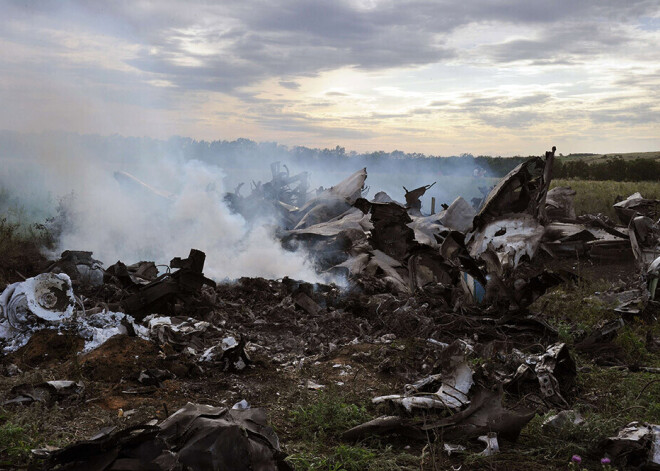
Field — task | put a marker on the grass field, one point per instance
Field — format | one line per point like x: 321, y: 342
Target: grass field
x: 591, y: 158
x: 598, y: 196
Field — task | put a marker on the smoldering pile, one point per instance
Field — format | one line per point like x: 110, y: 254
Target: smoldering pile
x: 461, y: 281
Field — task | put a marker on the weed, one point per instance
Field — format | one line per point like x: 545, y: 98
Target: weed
x: 632, y: 346
x: 573, y: 308
x: 15, y: 443
x: 353, y: 458
x: 328, y: 415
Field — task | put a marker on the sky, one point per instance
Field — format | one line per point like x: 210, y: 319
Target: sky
x: 510, y: 77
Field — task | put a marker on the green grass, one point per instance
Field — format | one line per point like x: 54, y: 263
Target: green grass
x: 598, y: 196
x: 607, y: 397
x: 347, y: 457
x: 15, y: 443
x: 328, y: 415
x: 25, y: 428
x: 319, y: 425
x: 571, y: 307
x: 591, y: 158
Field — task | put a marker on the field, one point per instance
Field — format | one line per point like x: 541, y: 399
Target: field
x: 595, y: 197
x: 595, y: 158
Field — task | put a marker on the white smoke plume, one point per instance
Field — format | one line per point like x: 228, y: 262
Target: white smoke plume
x: 123, y: 221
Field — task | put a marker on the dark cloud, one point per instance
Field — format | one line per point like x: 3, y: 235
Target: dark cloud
x: 290, y: 84
x: 640, y: 79
x: 481, y: 103
x: 535, y: 99
x: 562, y: 45
x: 255, y: 40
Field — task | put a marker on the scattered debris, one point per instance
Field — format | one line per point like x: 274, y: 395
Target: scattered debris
x: 463, y: 276
x: 492, y: 447
x: 162, y: 294
x: 449, y: 448
x: 454, y: 383
x: 636, y: 205
x: 636, y: 445
x: 484, y: 415
x: 559, y: 203
x: 49, y: 392
x: 45, y: 300
x: 196, y: 437
x: 563, y: 418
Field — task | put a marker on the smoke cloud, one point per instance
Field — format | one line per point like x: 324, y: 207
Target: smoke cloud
x: 134, y: 199
x: 119, y: 219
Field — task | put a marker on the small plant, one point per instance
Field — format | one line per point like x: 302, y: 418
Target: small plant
x: 328, y: 415
x: 632, y: 345
x: 576, y: 462
x: 352, y: 458
x: 15, y: 443
x: 606, y: 463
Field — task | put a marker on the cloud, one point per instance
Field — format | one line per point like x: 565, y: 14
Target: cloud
x: 289, y: 84
x: 639, y: 114
x: 562, y: 45
x: 467, y: 66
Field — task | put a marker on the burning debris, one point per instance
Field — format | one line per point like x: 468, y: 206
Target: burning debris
x: 460, y: 282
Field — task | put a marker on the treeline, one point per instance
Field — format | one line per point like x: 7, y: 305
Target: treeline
x: 237, y: 153
x: 616, y: 168
x: 245, y: 153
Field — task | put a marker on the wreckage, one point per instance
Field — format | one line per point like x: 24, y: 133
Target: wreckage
x: 460, y: 279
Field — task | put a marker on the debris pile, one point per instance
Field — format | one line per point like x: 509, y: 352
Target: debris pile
x: 457, y: 284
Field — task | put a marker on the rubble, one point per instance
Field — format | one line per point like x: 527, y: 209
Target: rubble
x: 162, y: 294
x: 485, y: 414
x: 492, y: 446
x: 635, y: 205
x: 636, y: 445
x: 553, y: 373
x: 559, y: 203
x: 79, y: 266
x: 454, y: 384
x: 196, y: 437
x: 439, y: 303
x: 48, y: 392
x: 560, y: 420
x: 198, y: 339
x: 45, y: 300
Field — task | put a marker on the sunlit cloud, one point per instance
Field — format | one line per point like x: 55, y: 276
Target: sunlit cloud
x: 434, y: 77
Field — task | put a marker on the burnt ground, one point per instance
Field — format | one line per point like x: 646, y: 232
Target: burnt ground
x: 357, y: 347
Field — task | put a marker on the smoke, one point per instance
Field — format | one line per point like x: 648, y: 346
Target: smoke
x: 119, y: 219
x: 134, y: 199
